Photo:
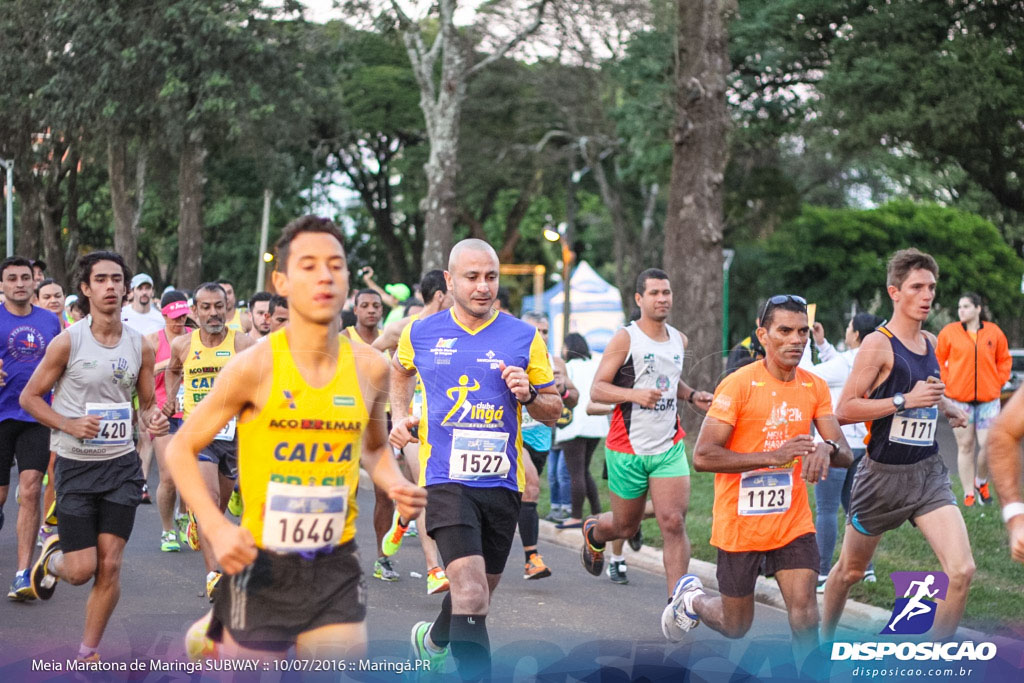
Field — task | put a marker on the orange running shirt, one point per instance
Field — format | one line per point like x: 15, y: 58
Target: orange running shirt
x: 764, y: 509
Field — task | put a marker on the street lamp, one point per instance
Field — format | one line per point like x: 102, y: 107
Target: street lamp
x: 558, y: 234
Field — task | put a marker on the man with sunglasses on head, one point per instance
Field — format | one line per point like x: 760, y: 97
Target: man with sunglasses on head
x: 641, y: 375
x: 894, y: 385
x: 757, y: 439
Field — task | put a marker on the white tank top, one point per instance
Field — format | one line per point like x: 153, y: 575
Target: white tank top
x: 98, y: 380
x: 650, y: 364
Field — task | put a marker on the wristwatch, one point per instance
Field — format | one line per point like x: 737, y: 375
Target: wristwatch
x: 533, y: 396
x: 898, y: 401
x: 835, y: 447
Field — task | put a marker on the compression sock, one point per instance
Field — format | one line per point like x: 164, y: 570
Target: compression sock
x: 594, y: 543
x: 471, y: 646
x: 439, y: 632
x: 529, y: 524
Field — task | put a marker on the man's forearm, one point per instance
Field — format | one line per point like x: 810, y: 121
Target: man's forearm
x: 712, y: 458
x: 1004, y: 465
x: 545, y: 407
x: 402, y: 388
x: 606, y: 392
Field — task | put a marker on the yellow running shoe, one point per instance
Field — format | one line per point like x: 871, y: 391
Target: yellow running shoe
x: 235, y: 506
x: 51, y: 514
x: 393, y: 538
x: 437, y: 582
x: 212, y: 579
x: 192, y: 531
x: 198, y: 645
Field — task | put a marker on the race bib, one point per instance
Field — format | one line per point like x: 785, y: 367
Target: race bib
x: 765, y: 492
x: 228, y: 432
x: 914, y: 427
x: 115, y: 424
x: 303, y: 518
x: 477, y: 455
x: 181, y: 394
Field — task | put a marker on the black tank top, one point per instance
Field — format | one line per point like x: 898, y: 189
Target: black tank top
x: 909, y: 435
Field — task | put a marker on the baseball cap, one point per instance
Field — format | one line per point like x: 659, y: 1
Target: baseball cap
x: 71, y: 298
x: 141, y: 279
x: 399, y: 291
x: 174, y: 304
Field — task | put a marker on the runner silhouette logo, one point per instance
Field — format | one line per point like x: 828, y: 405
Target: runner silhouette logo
x: 914, y: 612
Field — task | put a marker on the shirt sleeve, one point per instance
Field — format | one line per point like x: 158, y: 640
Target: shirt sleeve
x: 824, y: 399
x: 539, y: 368
x: 725, y: 406
x: 405, y: 353
x: 834, y: 371
x: 1004, y: 361
x: 942, y: 354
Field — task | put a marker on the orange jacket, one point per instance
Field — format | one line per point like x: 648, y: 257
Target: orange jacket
x: 973, y: 372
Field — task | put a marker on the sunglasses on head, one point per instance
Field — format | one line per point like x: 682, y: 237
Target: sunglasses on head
x: 778, y: 300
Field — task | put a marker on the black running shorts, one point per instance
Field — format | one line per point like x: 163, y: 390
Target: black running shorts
x: 26, y: 442
x: 278, y: 597
x: 224, y: 454
x: 738, y: 572
x: 96, y: 497
x: 465, y: 521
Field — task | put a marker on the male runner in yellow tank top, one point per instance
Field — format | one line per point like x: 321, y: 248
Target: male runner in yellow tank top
x: 310, y: 407
x: 197, y: 359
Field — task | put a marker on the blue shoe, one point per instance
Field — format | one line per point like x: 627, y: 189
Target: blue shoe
x: 21, y: 588
x: 677, y: 619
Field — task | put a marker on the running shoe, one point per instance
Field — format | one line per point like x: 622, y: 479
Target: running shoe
x: 383, y: 570
x: 592, y: 558
x: 235, y: 503
x: 45, y: 531
x: 969, y: 500
x: 17, y: 494
x: 678, y: 618
x: 43, y: 582
x: 212, y: 579
x: 91, y: 658
x: 437, y: 582
x: 869, y: 576
x: 393, y: 538
x: 169, y: 542
x: 535, y: 568
x: 413, y: 531
x: 822, y: 578
x: 192, y: 531
x: 21, y: 587
x: 617, y: 572
x: 198, y: 645
x: 984, y: 497
x: 146, y: 500
x: 181, y: 524
x: 636, y: 541
x: 51, y: 514
x: 422, y: 651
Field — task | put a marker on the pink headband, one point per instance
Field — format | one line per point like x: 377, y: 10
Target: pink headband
x: 175, y: 309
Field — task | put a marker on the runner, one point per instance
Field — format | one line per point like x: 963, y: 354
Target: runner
x: 537, y: 438
x: 50, y: 295
x: 95, y: 366
x: 174, y: 307
x: 641, y: 374
x: 975, y: 363
x: 196, y: 361
x: 311, y: 408
x: 479, y: 368
x: 757, y: 438
x: 26, y: 331
x: 234, y: 315
x: 369, y: 309
x: 433, y: 287
x: 278, y: 313
x: 1004, y: 461
x: 259, y: 314
x: 902, y: 477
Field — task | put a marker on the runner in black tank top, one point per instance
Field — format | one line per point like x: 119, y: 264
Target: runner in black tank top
x: 903, y: 477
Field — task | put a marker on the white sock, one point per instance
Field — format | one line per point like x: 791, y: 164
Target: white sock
x: 616, y: 558
x: 978, y: 483
x: 84, y: 650
x: 210, y: 575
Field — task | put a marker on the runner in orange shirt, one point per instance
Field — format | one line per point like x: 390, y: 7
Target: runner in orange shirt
x: 756, y: 436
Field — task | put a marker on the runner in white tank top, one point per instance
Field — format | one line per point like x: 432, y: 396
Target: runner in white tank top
x: 640, y: 373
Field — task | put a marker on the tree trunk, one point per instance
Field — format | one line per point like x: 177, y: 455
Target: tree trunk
x: 126, y: 198
x: 693, y: 224
x: 29, y: 228
x: 50, y: 213
x: 190, y: 200
x: 442, y: 168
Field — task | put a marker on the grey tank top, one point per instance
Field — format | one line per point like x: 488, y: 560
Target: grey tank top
x: 99, y: 380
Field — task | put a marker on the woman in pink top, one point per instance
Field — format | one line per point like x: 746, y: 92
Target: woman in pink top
x: 174, y: 307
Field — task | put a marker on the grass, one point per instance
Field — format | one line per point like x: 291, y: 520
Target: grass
x: 995, y: 603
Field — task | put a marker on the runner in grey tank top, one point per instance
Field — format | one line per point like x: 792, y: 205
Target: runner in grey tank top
x: 99, y: 380
x: 94, y: 367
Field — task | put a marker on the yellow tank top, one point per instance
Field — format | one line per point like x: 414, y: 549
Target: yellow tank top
x: 201, y: 367
x: 298, y: 460
x: 236, y: 321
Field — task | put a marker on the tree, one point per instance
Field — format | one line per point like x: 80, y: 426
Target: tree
x: 442, y: 94
x: 693, y: 225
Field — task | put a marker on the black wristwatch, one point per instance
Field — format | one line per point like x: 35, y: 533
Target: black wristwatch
x: 533, y: 396
x: 899, y: 401
x: 835, y: 447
